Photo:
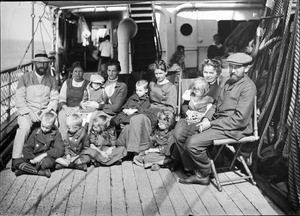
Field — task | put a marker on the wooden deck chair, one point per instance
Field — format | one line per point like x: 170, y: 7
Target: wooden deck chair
x: 171, y: 76
x: 223, y: 142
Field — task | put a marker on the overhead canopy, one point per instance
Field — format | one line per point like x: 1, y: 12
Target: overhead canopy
x: 66, y: 4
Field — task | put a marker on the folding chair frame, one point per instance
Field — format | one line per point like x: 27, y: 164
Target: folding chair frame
x: 221, y: 143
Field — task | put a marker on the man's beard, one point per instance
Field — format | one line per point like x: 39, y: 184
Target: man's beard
x: 41, y: 71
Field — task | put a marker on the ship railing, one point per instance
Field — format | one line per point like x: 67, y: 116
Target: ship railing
x: 9, y: 82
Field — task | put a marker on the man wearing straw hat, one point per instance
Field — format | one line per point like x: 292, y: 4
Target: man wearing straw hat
x: 36, y: 94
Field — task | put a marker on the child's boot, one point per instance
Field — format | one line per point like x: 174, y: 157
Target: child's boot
x: 82, y: 167
x: 44, y: 172
x: 26, y: 168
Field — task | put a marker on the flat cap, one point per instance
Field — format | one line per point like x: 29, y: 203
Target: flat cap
x: 239, y: 59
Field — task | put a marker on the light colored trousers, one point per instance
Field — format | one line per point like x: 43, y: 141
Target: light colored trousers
x: 22, y: 133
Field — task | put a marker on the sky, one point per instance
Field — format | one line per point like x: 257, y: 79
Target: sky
x: 16, y: 20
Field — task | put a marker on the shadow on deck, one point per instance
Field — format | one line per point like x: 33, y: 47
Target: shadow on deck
x: 126, y: 190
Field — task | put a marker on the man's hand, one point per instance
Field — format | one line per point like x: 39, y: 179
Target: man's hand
x: 43, y: 112
x: 38, y: 158
x: 34, y: 117
x: 204, y: 125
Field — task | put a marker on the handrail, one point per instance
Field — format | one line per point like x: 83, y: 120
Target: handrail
x: 15, y: 68
x: 9, y: 82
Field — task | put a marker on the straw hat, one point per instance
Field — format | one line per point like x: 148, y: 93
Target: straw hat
x: 41, y: 56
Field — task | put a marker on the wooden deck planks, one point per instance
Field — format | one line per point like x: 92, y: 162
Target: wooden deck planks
x: 126, y: 190
x: 13, y: 191
x: 49, y: 194
x: 60, y: 203
x: 76, y: 194
x: 89, y: 199
x: 254, y: 195
x: 147, y: 198
x: 104, y: 205
x: 179, y: 202
x: 35, y: 197
x: 194, y: 201
x: 224, y: 200
x: 22, y: 195
x: 117, y: 191
x: 160, y: 193
x: 133, y: 202
x: 239, y: 199
x: 7, y: 178
x: 208, y: 199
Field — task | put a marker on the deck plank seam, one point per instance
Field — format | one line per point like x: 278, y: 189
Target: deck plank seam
x: 32, y: 189
x: 16, y: 194
x: 69, y: 193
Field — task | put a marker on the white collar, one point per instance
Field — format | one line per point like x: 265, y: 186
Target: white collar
x: 39, y: 76
x: 162, y: 82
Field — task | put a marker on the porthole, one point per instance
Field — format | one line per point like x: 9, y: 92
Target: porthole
x: 186, y: 29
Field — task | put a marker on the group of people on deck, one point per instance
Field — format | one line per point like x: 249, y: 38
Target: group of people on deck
x: 92, y: 123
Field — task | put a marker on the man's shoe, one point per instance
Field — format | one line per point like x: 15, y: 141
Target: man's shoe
x: 195, y: 179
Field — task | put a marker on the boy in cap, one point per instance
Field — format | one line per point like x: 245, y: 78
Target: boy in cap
x: 230, y: 118
x: 36, y: 94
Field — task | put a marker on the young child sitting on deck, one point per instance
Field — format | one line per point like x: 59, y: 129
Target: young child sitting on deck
x: 102, y: 144
x: 41, y: 149
x: 74, y: 144
x: 93, y: 92
x: 158, y: 155
x: 196, y: 102
x: 137, y: 103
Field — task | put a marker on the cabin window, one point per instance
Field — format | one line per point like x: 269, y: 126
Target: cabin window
x: 186, y: 29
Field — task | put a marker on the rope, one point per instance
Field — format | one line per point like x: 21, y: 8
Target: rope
x: 275, y: 86
x: 26, y: 51
x: 42, y: 34
x: 293, y: 160
x: 286, y: 92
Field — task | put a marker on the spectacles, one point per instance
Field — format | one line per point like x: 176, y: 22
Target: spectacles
x: 212, y: 62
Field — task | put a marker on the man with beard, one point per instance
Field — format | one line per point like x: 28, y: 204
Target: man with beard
x: 36, y: 94
x: 230, y: 118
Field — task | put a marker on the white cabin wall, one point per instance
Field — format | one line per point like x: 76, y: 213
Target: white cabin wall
x: 204, y: 24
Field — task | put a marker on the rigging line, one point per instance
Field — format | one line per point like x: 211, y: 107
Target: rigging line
x: 42, y: 36
x: 30, y: 42
x: 46, y: 30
